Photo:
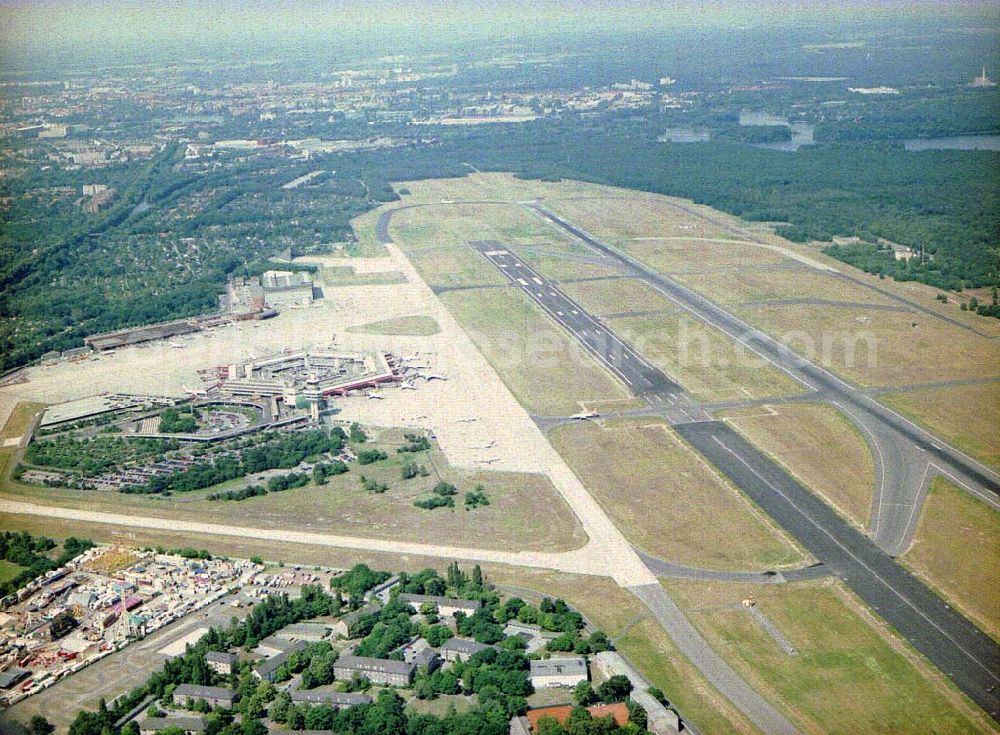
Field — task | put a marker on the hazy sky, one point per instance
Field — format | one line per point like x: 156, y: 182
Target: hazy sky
x: 90, y: 25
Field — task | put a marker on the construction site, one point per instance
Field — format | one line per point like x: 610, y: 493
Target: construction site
x: 98, y: 604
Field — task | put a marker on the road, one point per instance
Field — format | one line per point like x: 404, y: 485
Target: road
x: 906, y: 455
x: 969, y: 657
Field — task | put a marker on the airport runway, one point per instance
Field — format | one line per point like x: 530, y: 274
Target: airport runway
x: 969, y: 657
x: 906, y: 456
x: 606, y: 347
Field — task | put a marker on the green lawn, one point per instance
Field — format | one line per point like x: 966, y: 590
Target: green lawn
x: 414, y: 326
x: 9, y: 570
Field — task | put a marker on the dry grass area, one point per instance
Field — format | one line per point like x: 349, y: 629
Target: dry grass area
x: 955, y: 551
x: 640, y: 639
x: 545, y: 370
x: 884, y: 348
x: 525, y: 511
x: 448, y: 266
x: 702, y: 359
x: 925, y: 295
x: 413, y: 326
x: 619, y: 295
x: 19, y: 418
x: 560, y: 269
x: 820, y: 447
x: 846, y: 677
x: 682, y: 254
x: 490, y: 187
x: 456, y: 224
x: 743, y: 285
x: 667, y: 500
x: 962, y: 415
x: 368, y: 245
x: 334, y: 277
x: 625, y: 215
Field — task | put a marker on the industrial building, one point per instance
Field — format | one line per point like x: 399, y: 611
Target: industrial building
x: 287, y: 288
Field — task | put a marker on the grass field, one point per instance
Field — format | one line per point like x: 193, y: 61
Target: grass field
x: 666, y: 500
x: 955, y: 551
x: 491, y: 186
x: 368, y: 245
x: 456, y: 224
x: 453, y: 265
x: 846, y: 678
x: 883, y: 348
x: 820, y: 447
x: 346, y: 276
x: 559, y: 269
x: 415, y: 326
x: 525, y: 510
x: 741, y: 285
x: 544, y: 369
x: 641, y: 639
x: 627, y: 215
x: 682, y: 254
x: 19, y: 419
x: 702, y: 359
x: 9, y: 570
x: 961, y: 415
x: 619, y: 295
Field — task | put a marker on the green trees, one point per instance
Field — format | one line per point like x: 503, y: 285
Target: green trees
x: 370, y: 456
x: 173, y: 421
x: 358, y: 580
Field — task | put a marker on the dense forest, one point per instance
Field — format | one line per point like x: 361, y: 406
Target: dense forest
x: 119, y: 270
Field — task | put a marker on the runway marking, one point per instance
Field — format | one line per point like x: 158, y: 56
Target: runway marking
x: 875, y: 575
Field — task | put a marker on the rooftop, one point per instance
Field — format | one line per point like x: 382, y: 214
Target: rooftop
x: 338, y: 698
x: 618, y: 710
x: 380, y: 665
x: 196, y: 691
x: 558, y: 667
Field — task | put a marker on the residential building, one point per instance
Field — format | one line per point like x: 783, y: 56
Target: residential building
x: 446, y: 606
x: 345, y: 627
x: 461, y: 649
x: 221, y: 662
x: 338, y: 700
x: 381, y: 592
x: 216, y: 696
x: 190, y: 725
x: 311, y: 632
x: 267, y: 670
x: 558, y: 672
x: 376, y: 670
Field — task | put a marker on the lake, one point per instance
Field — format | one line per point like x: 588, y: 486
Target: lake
x: 955, y: 143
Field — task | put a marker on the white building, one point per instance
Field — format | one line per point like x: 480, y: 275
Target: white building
x: 558, y: 672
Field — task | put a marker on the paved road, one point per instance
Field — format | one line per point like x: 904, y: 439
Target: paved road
x: 711, y: 665
x: 604, y: 345
x: 907, y: 455
x: 662, y: 568
x: 969, y: 657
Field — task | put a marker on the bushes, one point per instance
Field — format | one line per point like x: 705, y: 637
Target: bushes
x: 370, y: 456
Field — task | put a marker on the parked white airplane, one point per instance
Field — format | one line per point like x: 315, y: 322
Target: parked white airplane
x: 375, y: 396
x: 177, y: 345
x: 467, y: 420
x: 434, y: 376
x: 407, y: 386
x: 585, y: 415
x: 195, y: 391
x: 490, y: 445
x: 490, y: 460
